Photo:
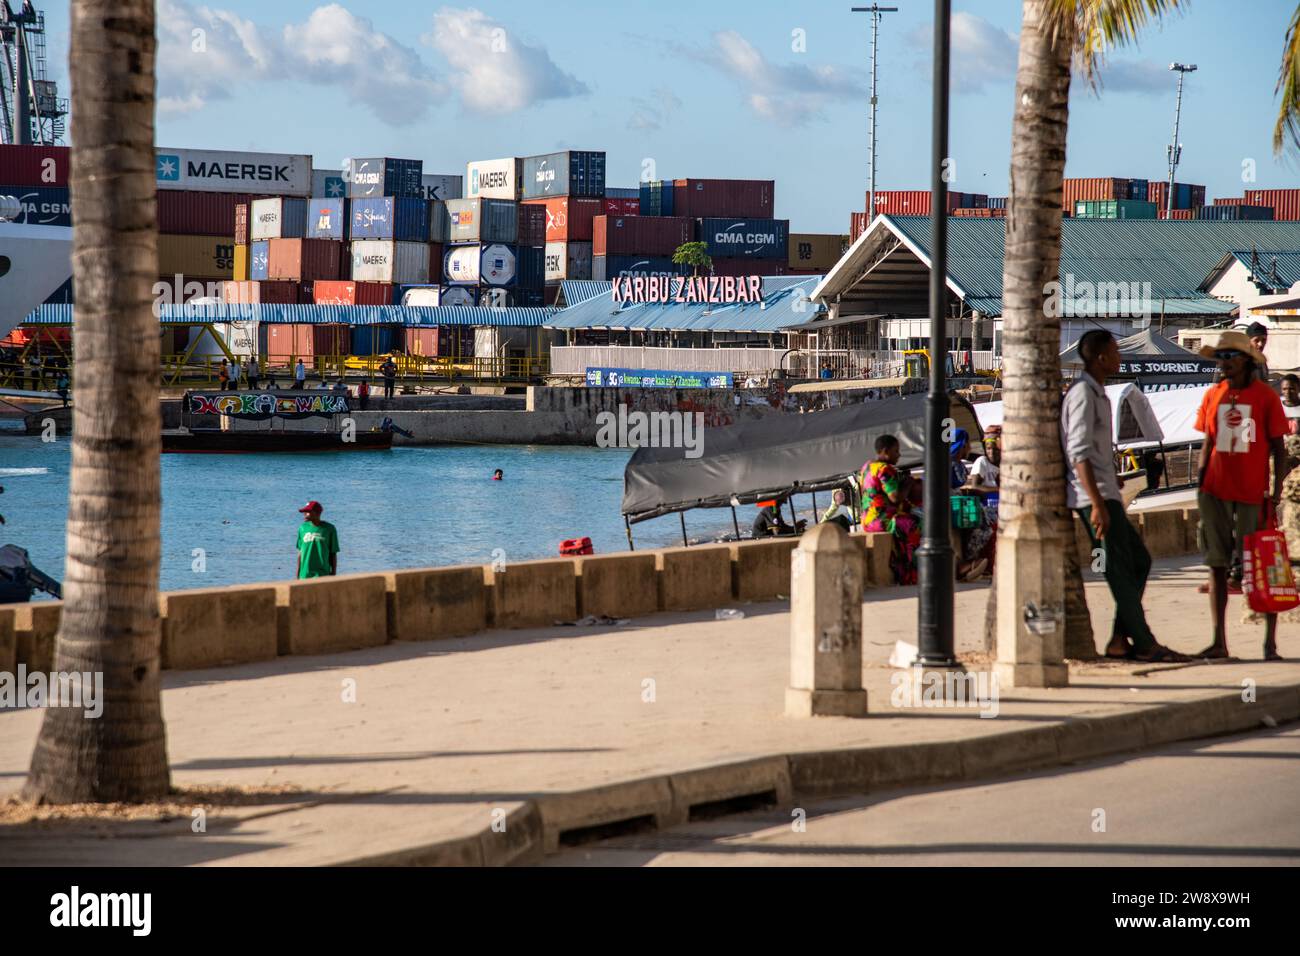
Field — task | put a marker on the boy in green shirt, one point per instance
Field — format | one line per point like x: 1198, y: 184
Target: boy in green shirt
x: 318, y: 544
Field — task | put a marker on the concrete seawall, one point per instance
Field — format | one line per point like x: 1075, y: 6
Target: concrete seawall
x: 215, y: 627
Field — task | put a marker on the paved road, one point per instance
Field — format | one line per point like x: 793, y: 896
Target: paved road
x: 1226, y: 801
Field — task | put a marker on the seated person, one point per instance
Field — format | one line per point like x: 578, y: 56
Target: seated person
x: 768, y: 522
x: 985, y: 473
x: 839, y: 511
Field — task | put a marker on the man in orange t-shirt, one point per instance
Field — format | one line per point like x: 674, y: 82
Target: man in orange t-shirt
x: 1243, y: 422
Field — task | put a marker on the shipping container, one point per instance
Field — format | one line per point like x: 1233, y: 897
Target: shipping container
x: 730, y: 266
x: 857, y: 225
x: 569, y: 220
x: 1186, y: 195
x: 605, y: 268
x: 916, y: 202
x: 205, y: 257
x: 261, y: 293
x: 532, y: 225
x: 368, y: 178
x: 493, y: 178
x: 1285, y: 202
x: 459, y: 295
x: 622, y: 192
x: 41, y: 206
x: 224, y: 171
x: 328, y: 184
x: 258, y: 259
x: 436, y: 252
x: 347, y: 292
x: 745, y: 238
x: 441, y: 187
x: 277, y: 218
x: 241, y: 223
x: 422, y: 341
x: 656, y: 198
x: 1234, y: 213
x: 35, y: 165
x: 1197, y: 197
x: 568, y: 260
x: 189, y: 213
x: 530, y: 268
x: 303, y: 260
x: 376, y: 339
x: 1114, y: 209
x: 640, y: 235
x: 710, y: 198
x: 817, y: 251
x: 482, y: 220
x: 385, y: 260
x: 620, y: 206
x: 328, y: 218
x: 985, y: 213
x: 494, y: 264
x: 403, y: 218
x: 426, y: 295
x: 997, y: 202
x: 283, y: 342
x: 1108, y: 187
x: 1231, y: 201
x: 570, y: 173
x: 439, y: 221
x: 1175, y: 214
x: 241, y: 263
x: 332, y: 339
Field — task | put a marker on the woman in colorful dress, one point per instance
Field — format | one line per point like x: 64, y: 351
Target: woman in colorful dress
x: 885, y: 507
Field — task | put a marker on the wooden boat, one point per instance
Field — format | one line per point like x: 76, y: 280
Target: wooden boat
x: 238, y: 415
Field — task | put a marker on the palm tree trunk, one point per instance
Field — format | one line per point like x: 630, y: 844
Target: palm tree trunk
x: 1032, y: 463
x: 110, y: 621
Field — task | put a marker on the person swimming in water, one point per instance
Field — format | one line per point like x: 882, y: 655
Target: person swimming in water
x: 498, y: 475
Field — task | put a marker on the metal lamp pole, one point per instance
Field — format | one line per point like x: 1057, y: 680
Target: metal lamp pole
x: 875, y: 12
x: 935, y: 558
x: 1175, y: 149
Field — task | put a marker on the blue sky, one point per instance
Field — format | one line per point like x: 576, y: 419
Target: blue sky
x: 700, y: 89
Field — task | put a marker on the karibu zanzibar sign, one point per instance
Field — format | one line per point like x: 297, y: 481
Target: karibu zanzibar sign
x: 703, y: 290
x: 656, y: 378
x: 262, y: 405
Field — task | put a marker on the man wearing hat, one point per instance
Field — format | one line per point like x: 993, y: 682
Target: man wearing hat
x: 318, y: 544
x: 1243, y: 422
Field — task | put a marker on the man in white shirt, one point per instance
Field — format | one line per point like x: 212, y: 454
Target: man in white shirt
x: 986, y: 471
x: 299, y: 375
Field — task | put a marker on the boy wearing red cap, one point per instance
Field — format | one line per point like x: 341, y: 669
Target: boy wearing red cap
x: 318, y: 544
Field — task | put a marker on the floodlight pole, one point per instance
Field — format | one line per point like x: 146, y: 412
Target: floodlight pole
x: 1175, y: 149
x: 876, y: 11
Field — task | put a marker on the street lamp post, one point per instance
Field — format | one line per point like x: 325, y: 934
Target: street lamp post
x: 1175, y: 149
x: 935, y: 558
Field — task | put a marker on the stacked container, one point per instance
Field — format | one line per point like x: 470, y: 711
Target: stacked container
x: 348, y: 292
x: 916, y: 202
x: 1114, y: 209
x: 371, y: 178
x: 1235, y: 212
x: 621, y: 265
x: 573, y: 173
x: 732, y: 238
x: 1186, y: 195
x: 389, y: 228
x: 987, y: 213
x: 1285, y: 202
x: 493, y: 178
x: 656, y: 198
x: 815, y: 253
x: 706, y: 198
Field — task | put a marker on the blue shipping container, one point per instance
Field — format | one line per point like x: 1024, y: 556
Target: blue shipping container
x: 572, y: 173
x: 657, y: 198
x: 439, y: 221
x: 1137, y: 189
x: 259, y: 259
x: 376, y: 339
x: 622, y: 192
x: 605, y: 268
x: 748, y: 238
x: 997, y: 202
x: 368, y: 178
x: 531, y: 266
x: 327, y: 219
x: 388, y: 217
x: 1234, y: 213
x: 48, y: 206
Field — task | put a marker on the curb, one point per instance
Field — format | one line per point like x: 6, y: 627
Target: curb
x: 540, y: 826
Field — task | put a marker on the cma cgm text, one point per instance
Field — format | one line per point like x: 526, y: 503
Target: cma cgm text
x: 746, y: 238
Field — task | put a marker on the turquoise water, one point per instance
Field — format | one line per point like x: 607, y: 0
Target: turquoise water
x: 410, y: 507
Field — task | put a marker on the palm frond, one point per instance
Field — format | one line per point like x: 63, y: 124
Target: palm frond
x: 1287, y: 130
x: 1102, y: 25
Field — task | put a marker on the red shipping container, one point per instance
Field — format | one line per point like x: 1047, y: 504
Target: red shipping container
x: 1285, y: 202
x: 532, y: 225
x: 903, y: 202
x: 1175, y: 214
x: 611, y: 206
x: 422, y: 341
x: 857, y: 225
x: 749, y: 267
x: 241, y: 223
x: 346, y: 292
x: 1198, y: 197
x: 436, y: 250
x: 300, y: 259
x: 1231, y: 201
x: 264, y: 293
x: 35, y: 165
x: 186, y: 213
x: 640, y: 235
x: 287, y: 341
x: 331, y: 339
x: 570, y: 220
x: 1087, y: 190
x: 706, y: 198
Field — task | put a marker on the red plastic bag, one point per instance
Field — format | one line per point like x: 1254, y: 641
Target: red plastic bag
x: 1266, y: 578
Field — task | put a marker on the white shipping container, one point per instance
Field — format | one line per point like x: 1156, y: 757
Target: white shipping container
x: 225, y: 171
x: 493, y: 178
x: 442, y: 187
x: 458, y: 296
x: 568, y: 260
x: 493, y: 265
x: 429, y: 296
x: 265, y: 219
x: 382, y: 260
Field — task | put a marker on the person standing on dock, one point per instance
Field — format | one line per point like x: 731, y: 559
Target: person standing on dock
x: 236, y: 370
x: 389, y: 371
x: 299, y: 376
x: 254, y: 374
x: 318, y: 544
x: 223, y: 375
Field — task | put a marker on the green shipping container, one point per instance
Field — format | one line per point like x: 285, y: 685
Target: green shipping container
x: 1114, y: 209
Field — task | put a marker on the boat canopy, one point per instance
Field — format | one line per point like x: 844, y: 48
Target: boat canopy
x: 848, y: 384
x: 779, y: 455
x: 1138, y: 419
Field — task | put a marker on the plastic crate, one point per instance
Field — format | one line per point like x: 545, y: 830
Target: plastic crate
x: 966, y: 512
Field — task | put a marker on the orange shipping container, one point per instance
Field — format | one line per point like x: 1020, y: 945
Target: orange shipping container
x: 264, y: 293
x: 241, y: 263
x: 303, y: 259
x: 285, y: 342
x: 857, y: 226
x: 200, y: 257
x: 569, y: 219
x: 345, y: 292
x: 1285, y: 202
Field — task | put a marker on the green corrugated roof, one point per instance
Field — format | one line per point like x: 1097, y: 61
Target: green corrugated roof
x: 1263, y: 263
x: 1175, y: 256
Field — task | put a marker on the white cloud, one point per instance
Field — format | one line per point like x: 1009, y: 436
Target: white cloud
x: 202, y: 53
x: 982, y: 53
x: 1135, y: 76
x: 787, y: 94
x: 653, y: 112
x: 493, y: 69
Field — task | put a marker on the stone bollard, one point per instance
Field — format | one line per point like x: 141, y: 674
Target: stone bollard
x: 1031, y: 605
x: 827, y: 572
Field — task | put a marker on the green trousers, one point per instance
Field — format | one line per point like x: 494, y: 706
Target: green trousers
x: 1127, y: 564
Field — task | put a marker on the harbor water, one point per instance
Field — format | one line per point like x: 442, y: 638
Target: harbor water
x: 232, y: 519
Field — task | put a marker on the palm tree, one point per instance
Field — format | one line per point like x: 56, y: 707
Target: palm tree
x: 1056, y: 35
x: 110, y: 621
x: 1288, y: 84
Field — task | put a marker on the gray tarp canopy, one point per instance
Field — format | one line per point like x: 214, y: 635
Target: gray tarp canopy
x: 779, y: 455
x: 1140, y: 345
